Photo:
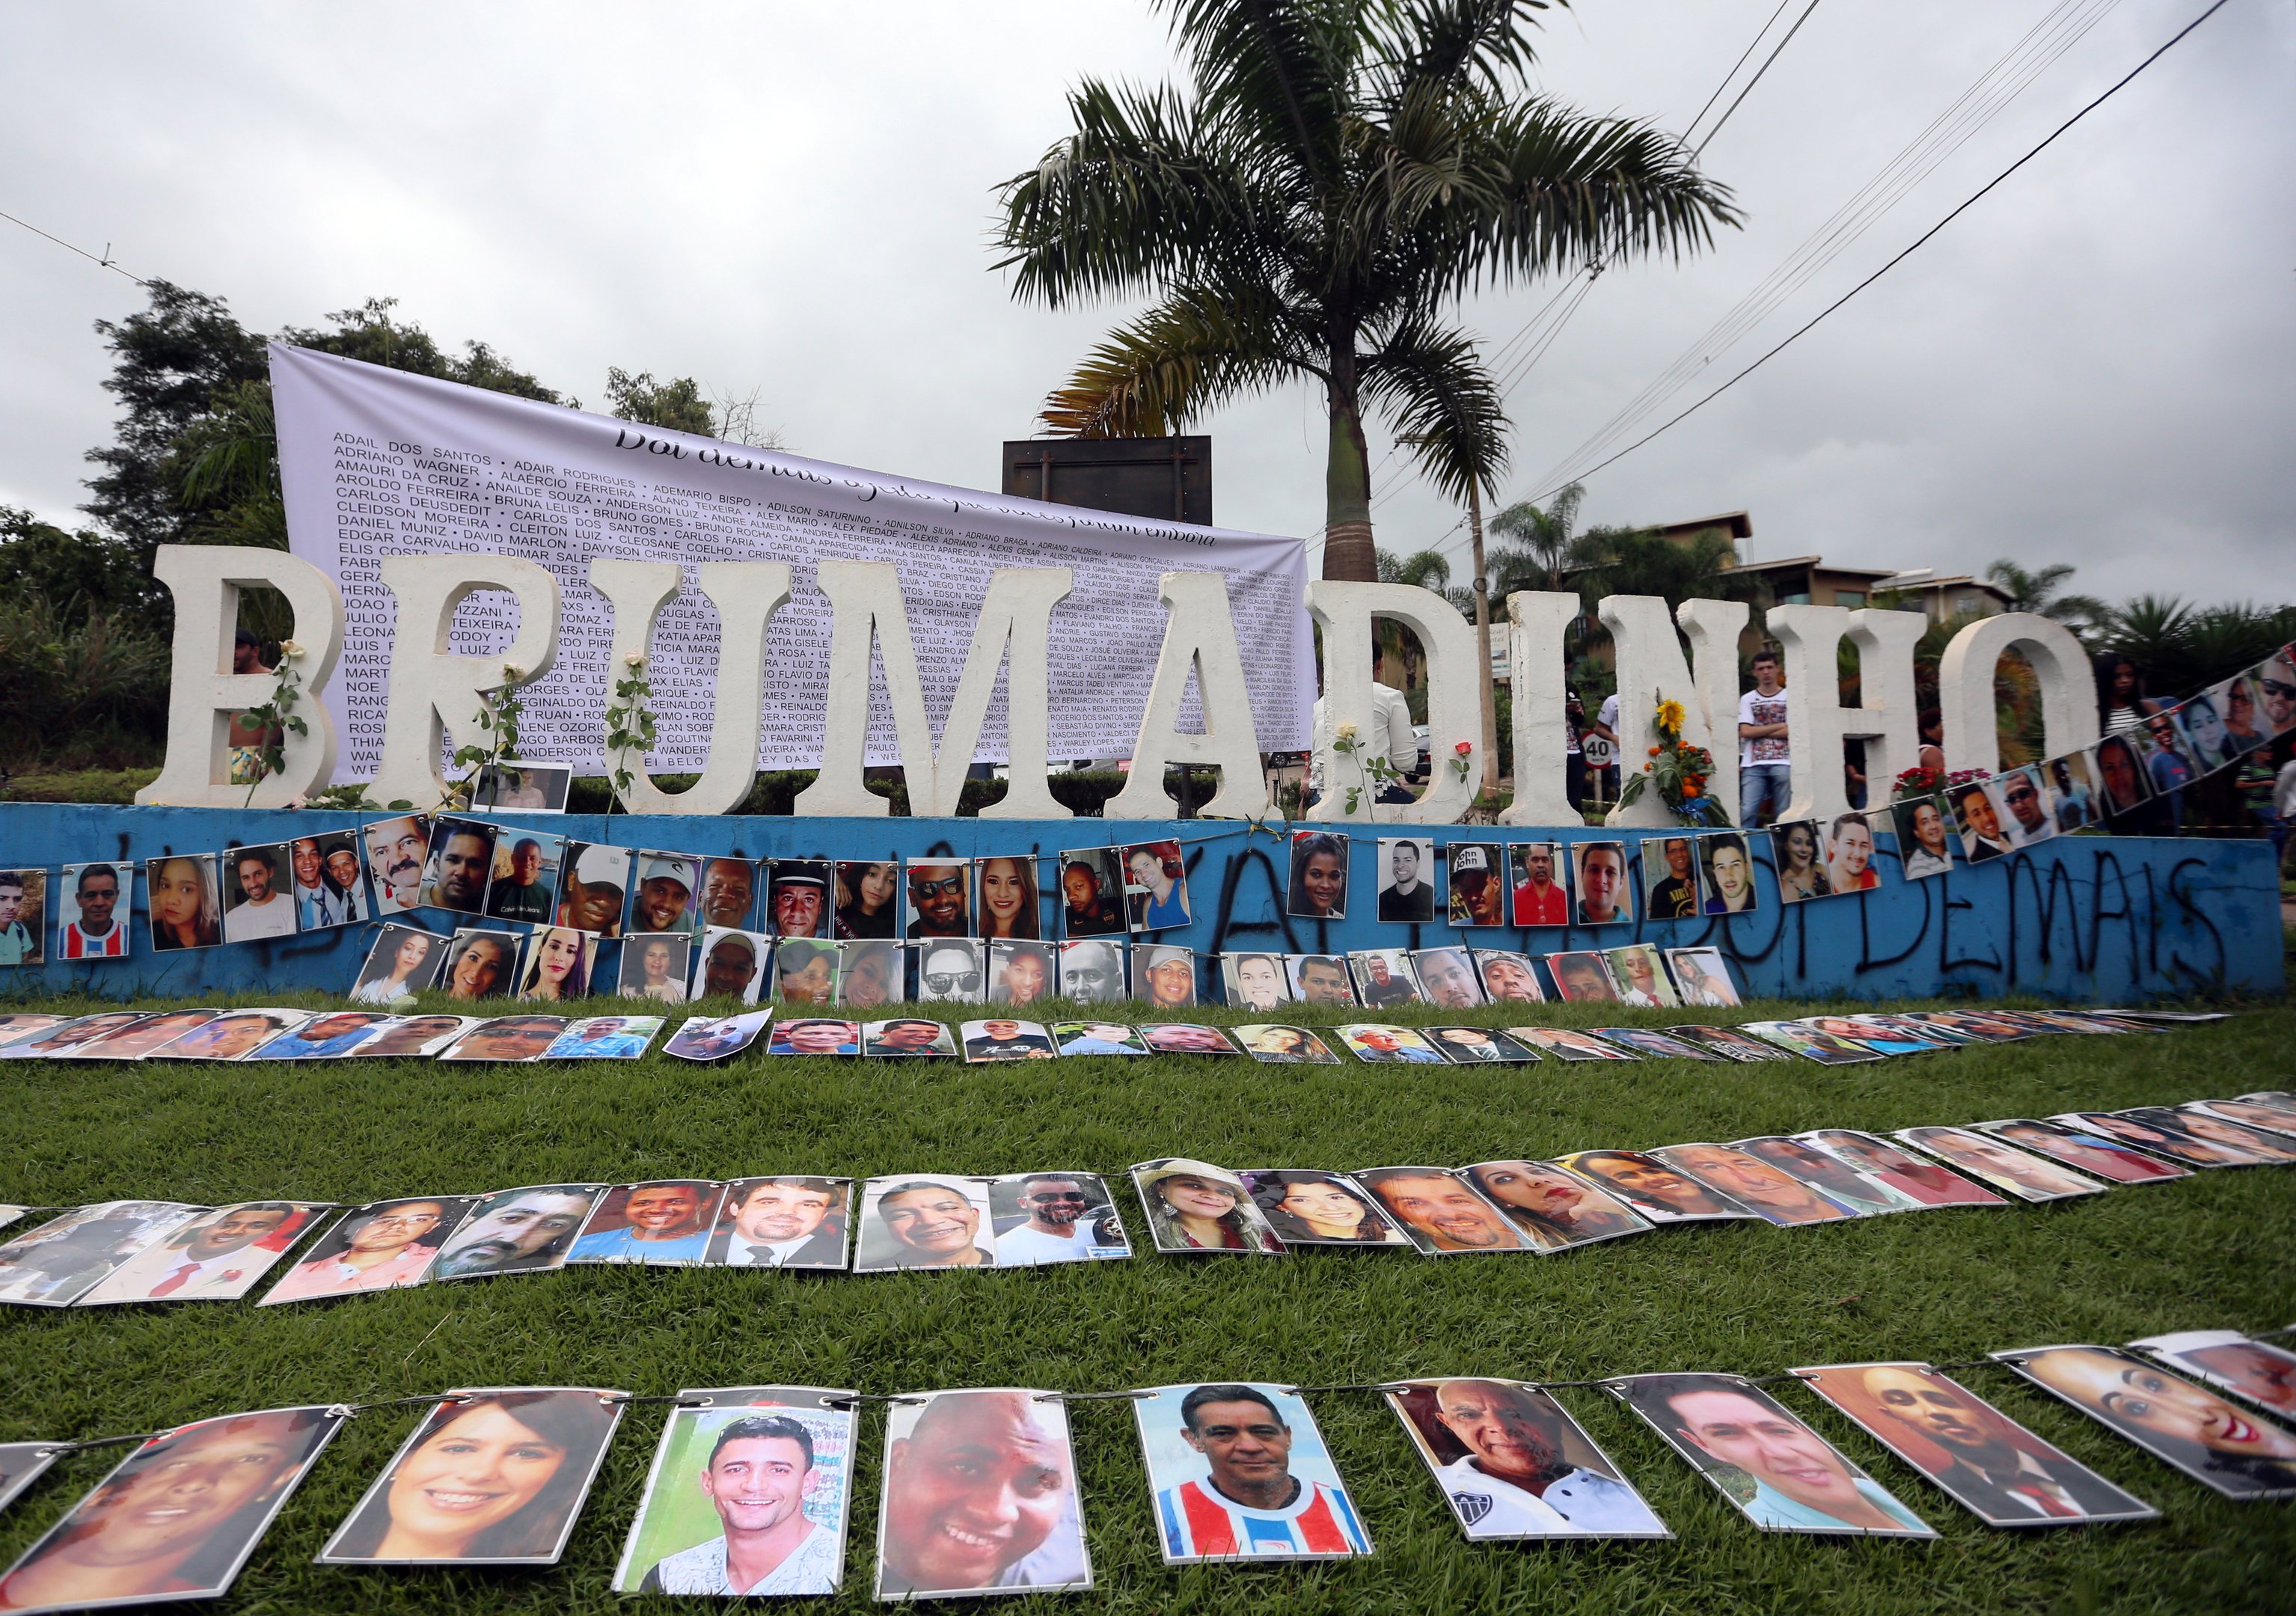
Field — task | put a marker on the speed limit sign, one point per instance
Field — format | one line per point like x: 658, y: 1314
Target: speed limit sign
x: 1598, y: 752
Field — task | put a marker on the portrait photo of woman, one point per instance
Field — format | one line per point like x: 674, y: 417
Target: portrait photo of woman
x: 1318, y: 885
x: 1008, y: 903
x: 1276, y: 1045
x: 184, y: 911
x: 868, y: 899
x: 1316, y: 1208
x: 558, y: 961
x: 404, y: 960
x: 1552, y: 1208
x: 2240, y: 1455
x: 1802, y: 873
x: 491, y: 1477
x: 655, y: 967
x: 1193, y: 1206
x: 869, y: 973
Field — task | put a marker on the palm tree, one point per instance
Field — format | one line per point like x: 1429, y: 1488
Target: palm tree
x: 2041, y: 593
x: 1338, y: 173
x: 1423, y: 570
x: 1535, y: 544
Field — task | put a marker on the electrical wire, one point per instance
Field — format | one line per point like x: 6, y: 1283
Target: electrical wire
x: 101, y: 261
x: 1698, y: 150
x: 1751, y: 45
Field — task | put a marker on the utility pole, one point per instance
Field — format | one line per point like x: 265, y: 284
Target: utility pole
x: 1490, y: 712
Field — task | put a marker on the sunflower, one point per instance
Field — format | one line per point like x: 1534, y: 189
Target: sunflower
x: 1670, y: 715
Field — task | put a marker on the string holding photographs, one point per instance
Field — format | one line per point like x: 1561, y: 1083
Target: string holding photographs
x: 218, y: 1256
x: 871, y: 972
x: 729, y: 893
x: 92, y: 902
x: 783, y: 1222
x: 908, y: 1037
x: 1508, y: 977
x: 655, y: 967
x: 731, y: 963
x: 1406, y: 879
x: 1598, y: 872
x: 1513, y: 1465
x: 553, y: 1439
x: 1280, y: 1045
x: 186, y: 910
x: 397, y: 849
x: 938, y: 901
x: 1255, y: 982
x: 1478, y: 885
x: 952, y: 970
x: 21, y: 1464
x: 1540, y: 897
x: 1164, y: 976
x: 1000, y: 1039
x: 1385, y: 977
x: 1320, y: 978
x: 1733, y: 1433
x: 1670, y: 864
x: 1019, y: 973
x: 2185, y: 1426
x: 462, y: 859
x: 797, y: 897
x: 1098, y: 1038
x: 999, y: 1455
x: 1092, y: 971
x: 663, y: 899
x: 593, y: 882
x: 923, y: 1220
x: 524, y: 884
x: 805, y: 971
x: 868, y: 898
x: 1156, y: 886
x: 514, y: 784
x: 746, y: 1496
x: 1309, y: 1208
x: 1239, y: 1470
x: 1193, y: 1206
x: 1317, y: 887
x: 1092, y: 892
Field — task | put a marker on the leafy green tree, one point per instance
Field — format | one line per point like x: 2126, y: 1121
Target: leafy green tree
x: 76, y: 573
x: 678, y: 406
x: 1336, y: 175
x: 2043, y: 593
x: 2183, y: 648
x: 1535, y: 544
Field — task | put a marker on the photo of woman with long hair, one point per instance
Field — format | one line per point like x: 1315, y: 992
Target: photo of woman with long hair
x: 184, y: 910
x: 1308, y: 1207
x: 1551, y: 1208
x: 868, y: 899
x: 1802, y: 873
x: 1008, y: 898
x: 1318, y: 885
x: 491, y: 1477
x: 557, y: 964
x: 405, y: 960
x: 655, y: 967
x: 1193, y: 1206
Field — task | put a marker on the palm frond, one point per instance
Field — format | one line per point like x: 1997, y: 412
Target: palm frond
x: 1445, y: 407
x: 1151, y: 376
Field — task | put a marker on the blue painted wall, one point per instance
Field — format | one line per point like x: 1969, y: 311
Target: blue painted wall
x: 2089, y: 919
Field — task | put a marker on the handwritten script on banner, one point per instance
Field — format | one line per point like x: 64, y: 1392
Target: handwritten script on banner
x: 376, y: 462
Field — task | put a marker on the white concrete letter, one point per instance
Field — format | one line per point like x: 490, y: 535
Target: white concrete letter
x: 1198, y: 633
x: 1651, y: 668
x: 1345, y: 612
x: 1817, y: 722
x: 1537, y: 623
x: 747, y: 595
x: 434, y: 690
x: 203, y: 693
x: 2069, y: 719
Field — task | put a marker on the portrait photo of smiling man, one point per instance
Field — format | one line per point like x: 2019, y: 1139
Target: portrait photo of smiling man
x: 792, y: 1221
x: 1240, y: 1472
x: 939, y: 896
x: 396, y: 851
x: 1441, y: 1212
x: 664, y: 1221
x: 1514, y: 1465
x: 925, y: 1221
x: 979, y: 1497
x: 461, y: 862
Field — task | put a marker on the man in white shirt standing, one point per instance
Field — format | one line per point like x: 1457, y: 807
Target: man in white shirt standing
x: 263, y: 910
x: 1765, y: 764
x: 1388, y: 738
x: 1057, y: 1230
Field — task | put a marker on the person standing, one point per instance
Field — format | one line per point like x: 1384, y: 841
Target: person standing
x: 1387, y: 738
x: 1765, y: 761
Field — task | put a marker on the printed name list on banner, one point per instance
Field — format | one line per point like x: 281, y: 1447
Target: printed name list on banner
x: 376, y: 462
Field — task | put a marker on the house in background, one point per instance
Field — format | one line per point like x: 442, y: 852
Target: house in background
x: 1809, y: 581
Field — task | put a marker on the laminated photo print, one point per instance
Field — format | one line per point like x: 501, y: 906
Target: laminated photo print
x: 1968, y: 1026
x: 746, y: 1496
x: 1979, y: 822
x: 1255, y: 982
x: 867, y: 894
x: 1895, y: 1173
x: 2123, y: 781
x: 2021, y: 805
x: 1727, y: 1042
x: 1701, y: 976
x: 1583, y: 976
x: 1479, y: 887
x: 1568, y: 1044
x: 2085, y: 1151
x: 233, y: 1035
x: 92, y: 904
x: 1193, y: 1206
x: 1796, y: 1037
x: 656, y: 968
x: 604, y: 1038
x: 516, y: 785
x: 2197, y: 1120
x: 63, y: 1259
x: 2274, y: 679
x: 1092, y: 892
x: 731, y: 964
x: 1004, y: 1039
x: 783, y: 1221
x: 1640, y: 974
x: 1385, y: 977
x: 1164, y: 976
x: 462, y: 861
x: 815, y: 1035
x: 1515, y: 1466
x: 952, y: 970
x: 553, y: 1439
x: 1725, y: 870
x: 1650, y: 1041
x: 523, y: 888
x: 1508, y: 977
x: 2160, y: 1137
x: 713, y: 1039
x: 1540, y: 897
x: 1552, y: 1209
x: 2255, y: 1371
x: 1006, y: 896
x: 560, y: 964
x: 2208, y: 736
x: 797, y: 897
x: 2073, y: 796
x: 1979, y: 1456
x: 2003, y: 1167
x: 1831, y: 1176
x: 1442, y: 1211
x: 403, y: 959
x: 176, y: 1519
x: 907, y: 1036
x: 21, y: 1464
x: 1019, y: 973
x: 324, y: 1036
x: 396, y: 850
x: 664, y: 898
x: 481, y: 964
x: 1156, y: 886
x: 804, y: 972
x: 518, y: 1038
x: 59, y: 1035
x: 1476, y: 1045
x: 139, y: 1038
x: 870, y: 973
x: 415, y: 1035
x: 660, y: 1223
x: 1774, y: 1193
x: 1240, y: 1472
x: 939, y: 898
x: 1274, y: 1044
x: 1671, y: 870
x: 924, y: 1220
x: 998, y: 1454
x: 1317, y: 885
x: 1447, y: 978
x: 521, y: 1231
x: 1798, y: 848
x: 1406, y: 879
x: 1320, y: 978
x: 1309, y: 1208
x: 2236, y: 1454
x: 1186, y: 1037
x: 218, y: 1256
x: 1047, y: 1218
x: 22, y: 1026
x: 2273, y: 1112
x: 1378, y: 1044
x: 1781, y: 1474
x: 1093, y: 972
x: 1097, y: 1038
x: 593, y: 885
x: 1849, y: 854
x: 1651, y: 1187
x: 186, y: 903
x: 1888, y: 1034
x: 1598, y: 873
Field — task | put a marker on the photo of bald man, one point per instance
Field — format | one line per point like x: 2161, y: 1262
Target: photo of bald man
x: 1514, y: 1465
x: 979, y: 1497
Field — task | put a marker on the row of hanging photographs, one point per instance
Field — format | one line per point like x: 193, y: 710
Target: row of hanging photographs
x: 750, y: 1487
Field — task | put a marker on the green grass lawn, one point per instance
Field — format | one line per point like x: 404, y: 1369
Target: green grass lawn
x: 2212, y: 1251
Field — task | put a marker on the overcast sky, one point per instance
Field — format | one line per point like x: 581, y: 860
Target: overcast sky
x: 2096, y: 364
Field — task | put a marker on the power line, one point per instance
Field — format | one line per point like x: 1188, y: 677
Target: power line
x: 1973, y: 198
x: 1697, y: 150
x: 1751, y: 45
x: 103, y: 261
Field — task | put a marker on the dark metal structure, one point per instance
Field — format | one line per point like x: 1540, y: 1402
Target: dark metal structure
x: 1169, y: 478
